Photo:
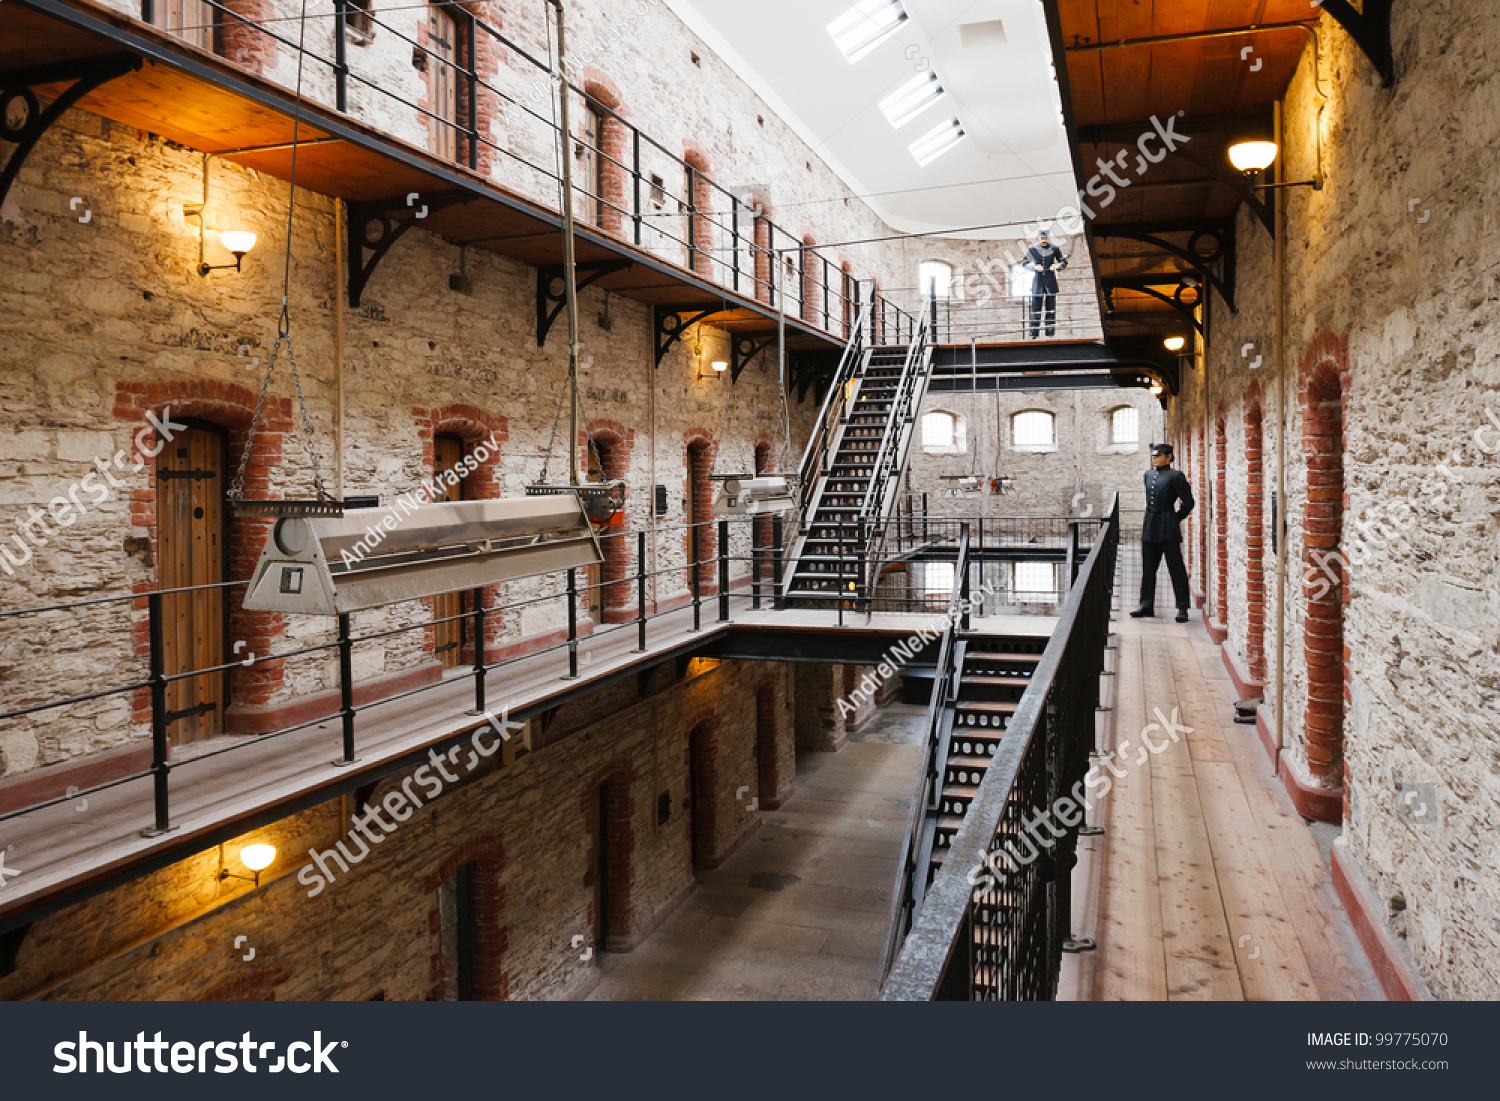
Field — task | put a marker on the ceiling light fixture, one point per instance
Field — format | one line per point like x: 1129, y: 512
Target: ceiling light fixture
x: 866, y: 25
x: 912, y: 98
x: 933, y: 144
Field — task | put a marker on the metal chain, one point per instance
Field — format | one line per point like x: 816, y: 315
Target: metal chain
x: 237, y: 487
x: 552, y: 439
x: 307, y: 432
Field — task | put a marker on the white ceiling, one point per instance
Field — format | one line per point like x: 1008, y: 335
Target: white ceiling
x: 1014, y: 165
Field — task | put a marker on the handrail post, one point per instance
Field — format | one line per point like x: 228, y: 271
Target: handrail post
x: 734, y: 208
x: 692, y: 213
x: 346, y: 687
x: 573, y: 624
x: 693, y: 577
x: 640, y: 585
x: 479, y: 707
x: 755, y: 553
x: 637, y: 174
x: 723, y: 571
x: 778, y: 533
x: 160, y: 766
x: 840, y: 582
x: 340, y: 58
x: 963, y: 582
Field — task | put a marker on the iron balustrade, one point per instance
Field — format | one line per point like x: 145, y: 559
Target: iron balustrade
x: 718, y: 234
x: 745, y: 587
x: 1006, y: 318
x: 992, y: 928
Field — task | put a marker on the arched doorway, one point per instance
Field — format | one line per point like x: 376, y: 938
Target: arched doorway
x: 701, y: 538
x: 448, y: 631
x: 192, y: 535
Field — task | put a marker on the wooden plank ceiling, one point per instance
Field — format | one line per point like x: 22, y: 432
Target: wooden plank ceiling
x: 203, y: 102
x: 1217, y: 93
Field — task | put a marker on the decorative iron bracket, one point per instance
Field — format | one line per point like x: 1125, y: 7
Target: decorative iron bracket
x: 1219, y: 233
x: 1147, y: 284
x: 742, y: 349
x: 551, y: 294
x: 672, y: 322
x: 373, y: 229
x: 19, y: 86
x: 1371, y: 31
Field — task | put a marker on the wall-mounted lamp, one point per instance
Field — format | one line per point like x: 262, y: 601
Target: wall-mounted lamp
x: 1254, y: 157
x: 255, y: 857
x: 1157, y: 389
x: 719, y: 365
x: 236, y: 242
x: 1175, y: 343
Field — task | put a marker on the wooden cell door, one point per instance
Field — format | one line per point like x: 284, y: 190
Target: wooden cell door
x: 700, y: 795
x: 590, y: 186
x: 190, y: 20
x: 448, y: 638
x: 190, y: 550
x: 442, y: 82
x: 594, y: 575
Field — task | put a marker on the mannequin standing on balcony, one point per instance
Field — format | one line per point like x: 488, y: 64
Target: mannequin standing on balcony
x: 1160, y: 534
x: 1045, y: 260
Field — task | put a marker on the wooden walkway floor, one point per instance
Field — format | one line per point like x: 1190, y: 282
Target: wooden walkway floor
x: 1212, y: 886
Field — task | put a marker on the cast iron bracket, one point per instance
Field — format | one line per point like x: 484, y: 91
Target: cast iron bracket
x: 1218, y: 234
x: 1371, y: 31
x: 1147, y: 284
x: 375, y: 226
x: 672, y: 322
x: 551, y: 293
x: 19, y: 86
x: 742, y: 349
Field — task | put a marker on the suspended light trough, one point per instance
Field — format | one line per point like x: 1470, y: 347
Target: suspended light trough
x: 744, y: 495
x: 329, y: 566
x: 602, y: 501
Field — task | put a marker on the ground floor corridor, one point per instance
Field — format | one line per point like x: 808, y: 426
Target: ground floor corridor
x: 1212, y: 886
x: 801, y: 909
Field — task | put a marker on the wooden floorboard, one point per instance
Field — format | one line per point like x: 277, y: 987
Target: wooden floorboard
x: 1213, y: 887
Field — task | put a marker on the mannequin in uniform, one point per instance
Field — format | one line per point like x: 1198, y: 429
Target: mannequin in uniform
x: 1044, y: 259
x: 1160, y: 537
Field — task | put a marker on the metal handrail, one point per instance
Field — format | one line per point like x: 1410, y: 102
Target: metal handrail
x: 904, y: 903
x: 938, y: 959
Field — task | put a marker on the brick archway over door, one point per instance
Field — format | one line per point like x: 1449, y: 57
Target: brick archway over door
x: 1221, y: 519
x: 1323, y: 384
x: 489, y: 938
x: 1255, y: 570
x: 698, y: 462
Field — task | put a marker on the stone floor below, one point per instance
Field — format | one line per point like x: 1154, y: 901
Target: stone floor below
x: 801, y: 910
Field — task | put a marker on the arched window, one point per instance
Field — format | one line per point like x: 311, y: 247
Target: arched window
x: 1124, y: 426
x: 943, y: 433
x: 935, y: 279
x: 1033, y: 430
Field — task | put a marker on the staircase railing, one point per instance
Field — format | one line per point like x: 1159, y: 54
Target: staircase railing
x: 992, y: 925
x: 890, y: 459
x: 816, y: 457
x: 928, y: 790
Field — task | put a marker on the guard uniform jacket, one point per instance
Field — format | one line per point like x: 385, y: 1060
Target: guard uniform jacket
x: 1048, y: 259
x: 1164, y: 489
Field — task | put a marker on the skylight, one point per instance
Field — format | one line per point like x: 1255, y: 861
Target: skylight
x: 932, y: 145
x: 866, y: 25
x: 912, y: 98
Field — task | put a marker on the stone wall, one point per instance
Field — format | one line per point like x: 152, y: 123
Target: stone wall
x: 529, y: 826
x: 1391, y: 691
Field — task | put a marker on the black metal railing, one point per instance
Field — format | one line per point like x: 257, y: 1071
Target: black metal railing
x: 991, y: 927
x: 642, y: 193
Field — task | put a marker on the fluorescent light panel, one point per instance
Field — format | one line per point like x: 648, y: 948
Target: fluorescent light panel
x: 912, y: 98
x: 933, y: 144
x: 866, y: 25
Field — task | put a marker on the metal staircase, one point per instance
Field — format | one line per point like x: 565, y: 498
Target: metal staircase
x: 853, y: 467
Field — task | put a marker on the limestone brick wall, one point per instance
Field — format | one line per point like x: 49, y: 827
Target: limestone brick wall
x: 1391, y: 684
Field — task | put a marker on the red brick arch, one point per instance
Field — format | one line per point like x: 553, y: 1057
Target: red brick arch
x: 1255, y: 571
x: 701, y: 197
x: 698, y: 451
x: 474, y: 426
x: 1221, y: 517
x: 490, y: 935
x: 230, y: 408
x: 761, y: 212
x: 258, y: 986
x: 613, y: 443
x: 812, y: 283
x: 704, y: 808
x: 1323, y: 387
x: 614, y: 142
x: 618, y: 779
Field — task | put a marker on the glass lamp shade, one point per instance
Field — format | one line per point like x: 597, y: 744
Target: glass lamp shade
x: 237, y: 241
